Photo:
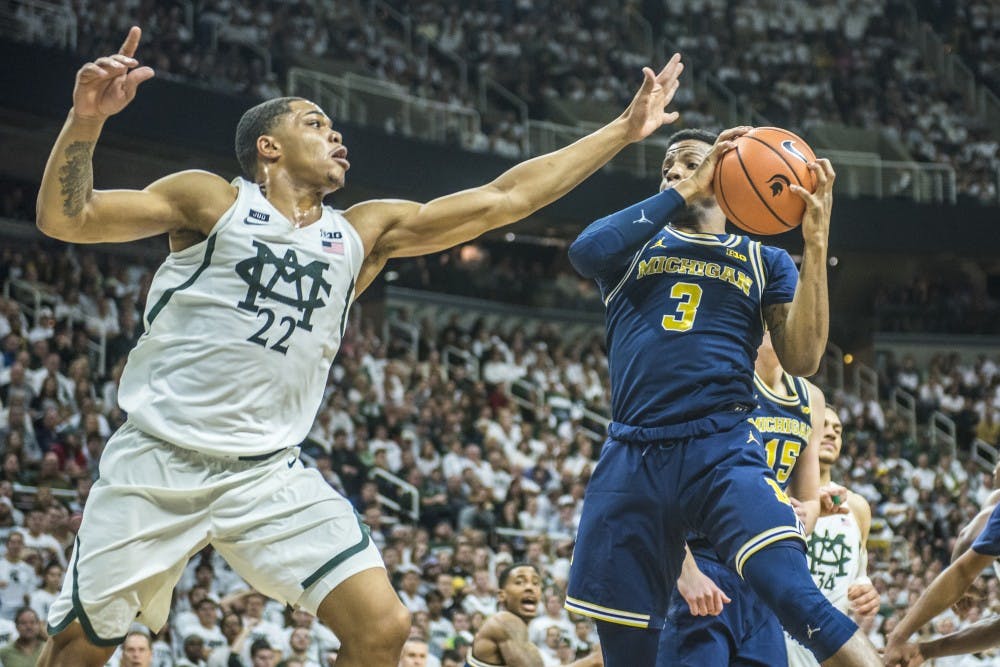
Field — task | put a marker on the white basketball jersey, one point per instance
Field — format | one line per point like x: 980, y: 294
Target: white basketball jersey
x: 241, y: 330
x: 835, y: 561
x: 834, y: 553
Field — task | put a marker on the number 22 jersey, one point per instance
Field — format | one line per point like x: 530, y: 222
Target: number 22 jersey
x: 241, y: 331
x: 684, y: 322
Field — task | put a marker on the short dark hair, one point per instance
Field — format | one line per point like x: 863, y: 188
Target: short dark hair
x: 256, y: 121
x: 260, y: 645
x: 690, y: 134
x: 505, y: 574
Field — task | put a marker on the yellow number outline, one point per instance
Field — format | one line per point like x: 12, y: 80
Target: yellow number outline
x: 789, y: 455
x: 687, y: 309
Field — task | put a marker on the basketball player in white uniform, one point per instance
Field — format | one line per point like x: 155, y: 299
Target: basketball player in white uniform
x: 837, y: 555
x: 242, y: 322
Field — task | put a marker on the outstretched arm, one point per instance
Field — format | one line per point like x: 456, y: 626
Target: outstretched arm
x: 799, y: 329
x: 943, y: 591
x: 405, y: 229
x: 980, y: 636
x: 607, y: 244
x: 68, y: 206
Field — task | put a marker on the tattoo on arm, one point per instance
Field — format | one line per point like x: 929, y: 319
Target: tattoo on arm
x: 775, y: 316
x: 76, y: 177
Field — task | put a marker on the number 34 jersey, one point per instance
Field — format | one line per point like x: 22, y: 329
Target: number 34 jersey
x: 684, y: 321
x: 241, y: 331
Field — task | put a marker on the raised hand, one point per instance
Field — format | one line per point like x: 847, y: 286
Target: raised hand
x: 699, y: 184
x: 106, y: 86
x: 819, y: 204
x: 647, y: 112
x: 833, y: 500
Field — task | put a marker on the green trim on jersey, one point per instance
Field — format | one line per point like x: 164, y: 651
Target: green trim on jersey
x: 155, y: 310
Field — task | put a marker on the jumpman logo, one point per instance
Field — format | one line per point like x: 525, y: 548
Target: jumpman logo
x: 811, y: 630
x: 643, y: 219
x: 752, y: 438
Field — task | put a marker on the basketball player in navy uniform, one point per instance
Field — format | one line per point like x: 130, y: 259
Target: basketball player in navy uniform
x: 503, y: 641
x: 686, y: 308
x: 714, y: 618
x: 243, y: 321
x: 837, y: 549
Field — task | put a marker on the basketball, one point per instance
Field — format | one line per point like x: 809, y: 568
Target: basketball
x: 752, y: 180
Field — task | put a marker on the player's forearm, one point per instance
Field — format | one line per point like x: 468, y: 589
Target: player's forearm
x: 809, y: 515
x: 982, y: 636
x: 540, y: 181
x: 609, y: 242
x: 68, y: 182
x: 944, y: 591
x: 808, y: 323
x: 520, y: 654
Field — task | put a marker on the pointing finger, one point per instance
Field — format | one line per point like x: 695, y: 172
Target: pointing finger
x: 131, y: 42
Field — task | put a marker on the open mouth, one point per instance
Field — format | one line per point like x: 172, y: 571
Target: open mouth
x: 529, y: 605
x: 340, y: 156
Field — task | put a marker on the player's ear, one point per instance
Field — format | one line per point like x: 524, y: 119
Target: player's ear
x: 268, y: 147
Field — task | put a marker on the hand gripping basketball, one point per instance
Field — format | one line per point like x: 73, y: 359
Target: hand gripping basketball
x: 106, y: 86
x: 819, y: 204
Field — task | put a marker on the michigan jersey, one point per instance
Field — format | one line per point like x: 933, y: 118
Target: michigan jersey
x: 785, y: 423
x: 684, y: 322
x: 241, y: 331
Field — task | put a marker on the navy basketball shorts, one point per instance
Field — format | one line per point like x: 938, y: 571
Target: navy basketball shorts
x: 745, y: 634
x: 650, y: 488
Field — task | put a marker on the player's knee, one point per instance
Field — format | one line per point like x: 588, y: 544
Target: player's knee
x: 390, y: 633
x: 793, y: 597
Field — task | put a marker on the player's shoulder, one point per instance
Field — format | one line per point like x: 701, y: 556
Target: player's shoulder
x: 501, y: 626
x: 859, y: 507
x: 372, y: 218
x: 200, y: 195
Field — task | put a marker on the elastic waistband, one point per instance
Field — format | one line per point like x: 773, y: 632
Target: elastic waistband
x: 717, y: 422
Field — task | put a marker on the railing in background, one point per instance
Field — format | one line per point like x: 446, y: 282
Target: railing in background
x: 905, y: 405
x: 861, y: 173
x: 594, y: 425
x: 383, y: 104
x: 410, y: 330
x: 942, y: 431
x: 468, y: 360
x: 865, y: 377
x: 985, y: 454
x: 832, y: 369
x: 47, y: 23
x: 405, y: 489
x: 527, y: 395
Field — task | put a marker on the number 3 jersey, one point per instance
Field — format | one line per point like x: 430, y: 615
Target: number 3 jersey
x: 684, y: 321
x: 241, y: 331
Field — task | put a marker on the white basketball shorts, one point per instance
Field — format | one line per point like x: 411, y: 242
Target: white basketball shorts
x: 277, y: 523
x: 799, y: 655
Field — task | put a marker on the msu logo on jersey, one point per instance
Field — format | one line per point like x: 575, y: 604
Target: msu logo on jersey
x: 282, y: 279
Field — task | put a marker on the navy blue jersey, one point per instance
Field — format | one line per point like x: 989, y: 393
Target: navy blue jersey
x: 988, y: 542
x: 684, y: 322
x: 785, y: 422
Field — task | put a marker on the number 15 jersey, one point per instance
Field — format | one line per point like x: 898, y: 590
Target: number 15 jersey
x: 241, y: 331
x: 684, y: 322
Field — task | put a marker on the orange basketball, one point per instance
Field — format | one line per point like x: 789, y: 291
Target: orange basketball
x: 752, y: 180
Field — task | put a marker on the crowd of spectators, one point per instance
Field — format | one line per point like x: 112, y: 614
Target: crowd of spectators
x: 496, y: 482
x: 973, y: 30
x: 841, y: 61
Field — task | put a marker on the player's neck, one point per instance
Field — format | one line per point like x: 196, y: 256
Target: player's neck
x: 824, y: 474
x: 771, y: 374
x: 301, y: 205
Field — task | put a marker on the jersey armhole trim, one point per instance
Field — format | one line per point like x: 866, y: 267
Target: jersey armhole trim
x: 628, y: 272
